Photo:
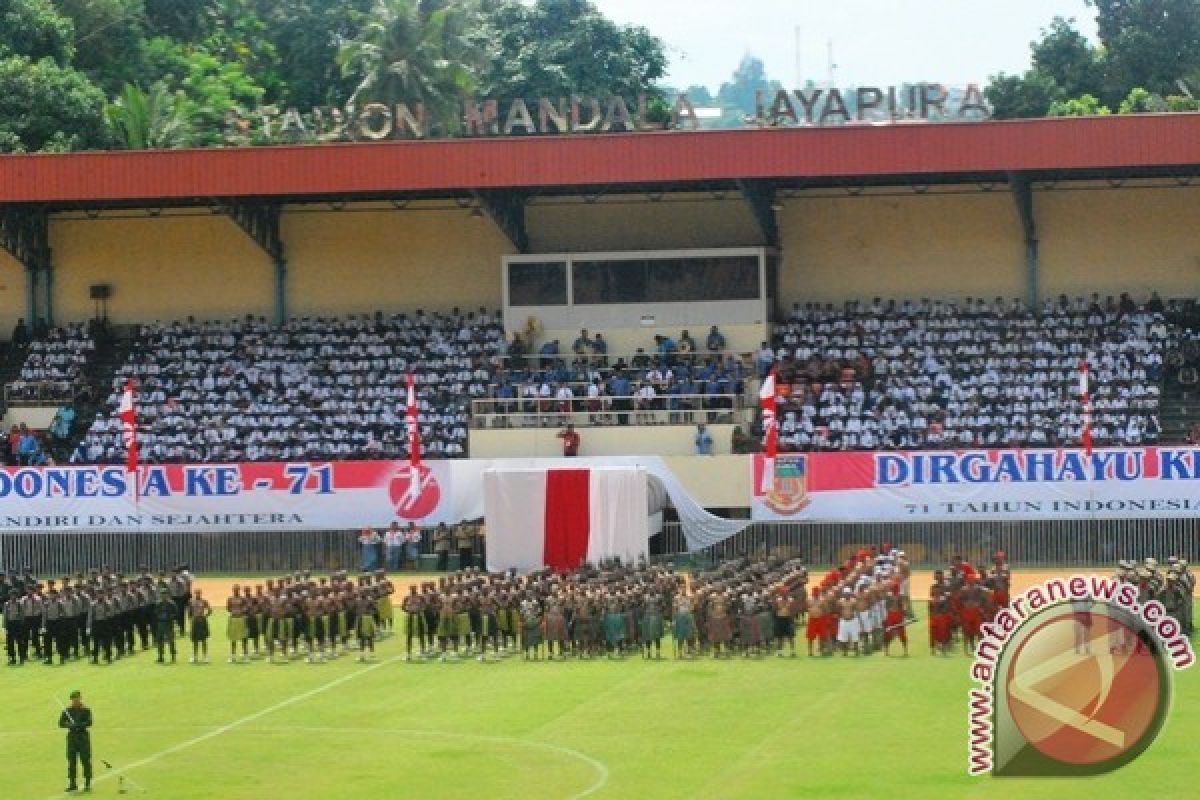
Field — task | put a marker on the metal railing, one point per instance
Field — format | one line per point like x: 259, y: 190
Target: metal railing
x: 20, y: 392
x: 548, y: 412
x: 1029, y: 543
x: 608, y: 360
x: 1060, y: 544
x: 54, y: 553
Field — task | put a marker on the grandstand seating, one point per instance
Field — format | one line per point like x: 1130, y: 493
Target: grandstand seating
x: 313, y: 388
x: 54, y: 365
x: 942, y: 374
x: 876, y: 375
x: 664, y: 385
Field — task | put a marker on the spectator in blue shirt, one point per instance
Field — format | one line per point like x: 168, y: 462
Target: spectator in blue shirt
x: 704, y: 441
x: 28, y: 447
x: 621, y: 389
x: 583, y: 343
x: 715, y: 341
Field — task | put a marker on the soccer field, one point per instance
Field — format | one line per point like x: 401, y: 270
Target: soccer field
x: 770, y: 728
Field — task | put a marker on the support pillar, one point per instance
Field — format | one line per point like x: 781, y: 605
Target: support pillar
x: 1022, y: 191
x: 260, y: 221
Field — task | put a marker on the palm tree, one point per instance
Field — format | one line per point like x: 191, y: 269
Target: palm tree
x: 412, y: 51
x: 154, y: 120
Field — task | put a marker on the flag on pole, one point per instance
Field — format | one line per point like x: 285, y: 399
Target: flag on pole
x: 1085, y: 398
x: 127, y: 412
x: 766, y: 401
x: 413, y: 424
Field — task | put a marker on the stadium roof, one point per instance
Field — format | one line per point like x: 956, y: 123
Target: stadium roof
x: 891, y: 154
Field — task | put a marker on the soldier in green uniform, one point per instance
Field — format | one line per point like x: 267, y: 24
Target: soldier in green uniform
x: 414, y: 619
x: 77, y: 720
x: 164, y: 626
x: 365, y: 626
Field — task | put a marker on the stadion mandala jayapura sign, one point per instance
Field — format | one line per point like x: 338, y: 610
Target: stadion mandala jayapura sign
x: 809, y: 107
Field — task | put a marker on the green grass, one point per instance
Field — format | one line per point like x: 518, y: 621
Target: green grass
x: 775, y: 728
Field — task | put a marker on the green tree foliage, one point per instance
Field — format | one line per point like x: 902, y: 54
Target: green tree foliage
x: 1140, y: 101
x: 739, y: 93
x: 1148, y: 43
x: 556, y: 48
x: 45, y: 106
x: 157, y: 119
x: 700, y: 95
x: 1018, y: 96
x: 410, y: 51
x: 1085, y: 105
x: 35, y: 29
x: 1147, y: 47
x: 202, y: 59
x: 305, y: 35
x: 184, y: 20
x: 108, y: 41
x: 1065, y: 55
x: 211, y: 86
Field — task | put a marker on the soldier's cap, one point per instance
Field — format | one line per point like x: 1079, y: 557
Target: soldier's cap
x: 76, y: 694
x: 1125, y: 564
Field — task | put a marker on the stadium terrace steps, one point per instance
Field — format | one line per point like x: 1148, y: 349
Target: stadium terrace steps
x: 1179, y: 412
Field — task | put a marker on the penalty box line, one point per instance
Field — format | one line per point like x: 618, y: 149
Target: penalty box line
x: 226, y: 728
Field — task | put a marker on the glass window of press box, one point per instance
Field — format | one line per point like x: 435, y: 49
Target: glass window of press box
x: 679, y: 279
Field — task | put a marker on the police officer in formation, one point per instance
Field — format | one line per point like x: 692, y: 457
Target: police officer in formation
x: 98, y: 616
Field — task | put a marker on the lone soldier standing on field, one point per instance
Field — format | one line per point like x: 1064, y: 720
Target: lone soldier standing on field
x: 77, y: 720
x: 164, y: 626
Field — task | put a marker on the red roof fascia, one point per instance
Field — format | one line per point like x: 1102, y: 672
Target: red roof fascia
x: 1115, y: 142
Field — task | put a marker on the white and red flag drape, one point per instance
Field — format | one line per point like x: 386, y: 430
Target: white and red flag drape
x: 766, y: 401
x: 127, y: 412
x: 562, y: 517
x: 413, y: 423
x: 1085, y: 398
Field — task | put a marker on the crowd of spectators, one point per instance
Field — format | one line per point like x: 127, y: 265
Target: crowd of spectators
x: 313, y: 388
x: 54, y: 362
x: 23, y: 447
x: 676, y: 375
x: 885, y: 375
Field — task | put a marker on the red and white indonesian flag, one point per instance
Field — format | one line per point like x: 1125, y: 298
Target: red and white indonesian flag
x: 1085, y: 398
x: 127, y: 412
x: 560, y: 518
x: 413, y: 423
x: 766, y: 401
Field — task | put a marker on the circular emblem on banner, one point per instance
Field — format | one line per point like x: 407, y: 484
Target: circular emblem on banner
x: 1084, y: 690
x: 414, y: 492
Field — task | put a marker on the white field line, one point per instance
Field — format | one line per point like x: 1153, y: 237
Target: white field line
x: 599, y: 767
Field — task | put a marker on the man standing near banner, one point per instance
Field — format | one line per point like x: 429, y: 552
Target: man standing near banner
x: 570, y: 441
